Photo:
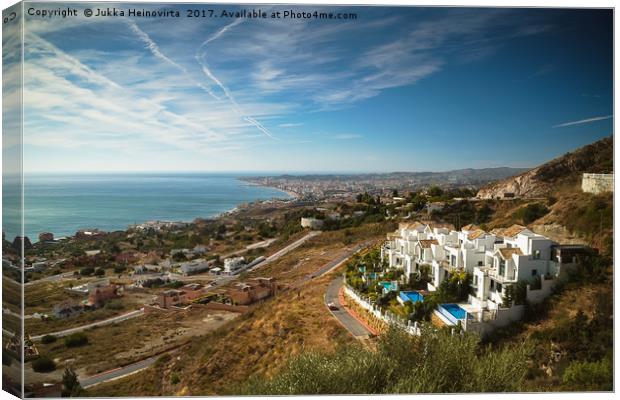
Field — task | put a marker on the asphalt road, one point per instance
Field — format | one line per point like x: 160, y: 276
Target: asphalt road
x: 356, y: 329
x: 117, y: 373
x: 286, y: 249
x: 118, y: 318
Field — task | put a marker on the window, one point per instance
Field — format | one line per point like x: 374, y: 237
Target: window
x: 476, y: 280
x: 499, y: 287
x: 492, y: 285
x: 453, y: 261
x: 534, y: 272
x: 480, y: 263
x: 537, y: 255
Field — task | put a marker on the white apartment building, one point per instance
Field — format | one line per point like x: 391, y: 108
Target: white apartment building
x: 234, y: 265
x: 496, y: 260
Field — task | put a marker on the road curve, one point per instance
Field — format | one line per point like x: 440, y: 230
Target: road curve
x: 351, y: 324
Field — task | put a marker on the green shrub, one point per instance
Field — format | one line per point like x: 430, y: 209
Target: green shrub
x: 436, y: 362
x: 531, y: 213
x: 43, y: 364
x: 87, y: 271
x: 48, y: 339
x: 6, y: 358
x: 584, y: 375
x: 76, y: 339
x: 174, y: 379
x: 114, y: 305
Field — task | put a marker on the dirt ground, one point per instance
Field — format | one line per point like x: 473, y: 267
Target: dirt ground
x: 261, y: 341
x: 128, y: 341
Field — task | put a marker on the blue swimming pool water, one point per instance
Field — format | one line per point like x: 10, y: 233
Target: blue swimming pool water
x: 388, y: 286
x: 456, y: 311
x: 412, y: 296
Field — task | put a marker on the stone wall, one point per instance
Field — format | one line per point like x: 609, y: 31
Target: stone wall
x: 597, y: 183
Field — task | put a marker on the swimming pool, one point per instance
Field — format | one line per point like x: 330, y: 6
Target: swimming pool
x: 388, y: 286
x: 412, y: 296
x: 455, y: 311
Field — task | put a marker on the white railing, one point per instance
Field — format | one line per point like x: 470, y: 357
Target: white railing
x: 386, y: 316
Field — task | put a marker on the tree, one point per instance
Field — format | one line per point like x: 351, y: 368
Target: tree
x: 76, y: 339
x: 100, y: 272
x: 43, y: 364
x: 70, y: 384
x: 434, y: 191
x: 48, y: 339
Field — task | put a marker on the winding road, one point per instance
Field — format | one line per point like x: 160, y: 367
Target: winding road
x: 351, y: 324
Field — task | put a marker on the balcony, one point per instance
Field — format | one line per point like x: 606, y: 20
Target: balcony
x: 511, y: 278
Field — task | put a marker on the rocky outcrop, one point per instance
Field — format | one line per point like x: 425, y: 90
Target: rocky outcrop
x: 524, y: 185
x: 544, y: 179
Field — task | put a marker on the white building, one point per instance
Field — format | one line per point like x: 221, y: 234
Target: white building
x: 496, y: 260
x: 195, y: 266
x: 597, y: 183
x: 234, y: 265
x: 312, y: 223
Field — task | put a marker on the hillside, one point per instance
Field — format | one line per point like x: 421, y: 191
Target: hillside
x: 562, y: 171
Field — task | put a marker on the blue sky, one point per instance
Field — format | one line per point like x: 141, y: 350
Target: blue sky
x: 397, y: 89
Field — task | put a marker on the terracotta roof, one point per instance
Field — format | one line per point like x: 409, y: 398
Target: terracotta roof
x: 469, y: 227
x: 508, y: 252
x: 476, y: 234
x: 426, y: 244
x: 441, y: 225
x: 513, y: 230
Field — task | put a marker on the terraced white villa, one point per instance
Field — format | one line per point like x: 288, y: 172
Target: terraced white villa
x: 499, y: 261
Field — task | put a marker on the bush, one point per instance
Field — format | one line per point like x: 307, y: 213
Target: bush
x: 76, y: 339
x: 583, y: 375
x: 531, y: 213
x: 87, y: 271
x: 174, y: 379
x: 436, y: 362
x: 6, y: 358
x: 43, y: 364
x: 114, y: 305
x: 119, y: 269
x: 100, y: 272
x: 48, y: 339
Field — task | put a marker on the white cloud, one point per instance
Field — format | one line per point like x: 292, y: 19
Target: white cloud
x: 583, y: 121
x: 347, y: 136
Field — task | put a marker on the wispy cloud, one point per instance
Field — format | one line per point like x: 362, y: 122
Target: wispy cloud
x: 201, y: 58
x: 347, y: 136
x: 154, y: 48
x: 290, y: 125
x: 583, y: 121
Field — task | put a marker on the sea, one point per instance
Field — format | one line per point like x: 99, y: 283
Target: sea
x: 63, y: 204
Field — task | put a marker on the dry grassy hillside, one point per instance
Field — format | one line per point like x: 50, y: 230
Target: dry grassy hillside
x: 563, y: 171
x: 261, y: 341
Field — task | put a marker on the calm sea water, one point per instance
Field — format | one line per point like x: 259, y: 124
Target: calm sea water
x: 63, y: 204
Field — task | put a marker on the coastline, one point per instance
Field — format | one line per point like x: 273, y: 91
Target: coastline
x: 294, y: 195
x: 64, y: 233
